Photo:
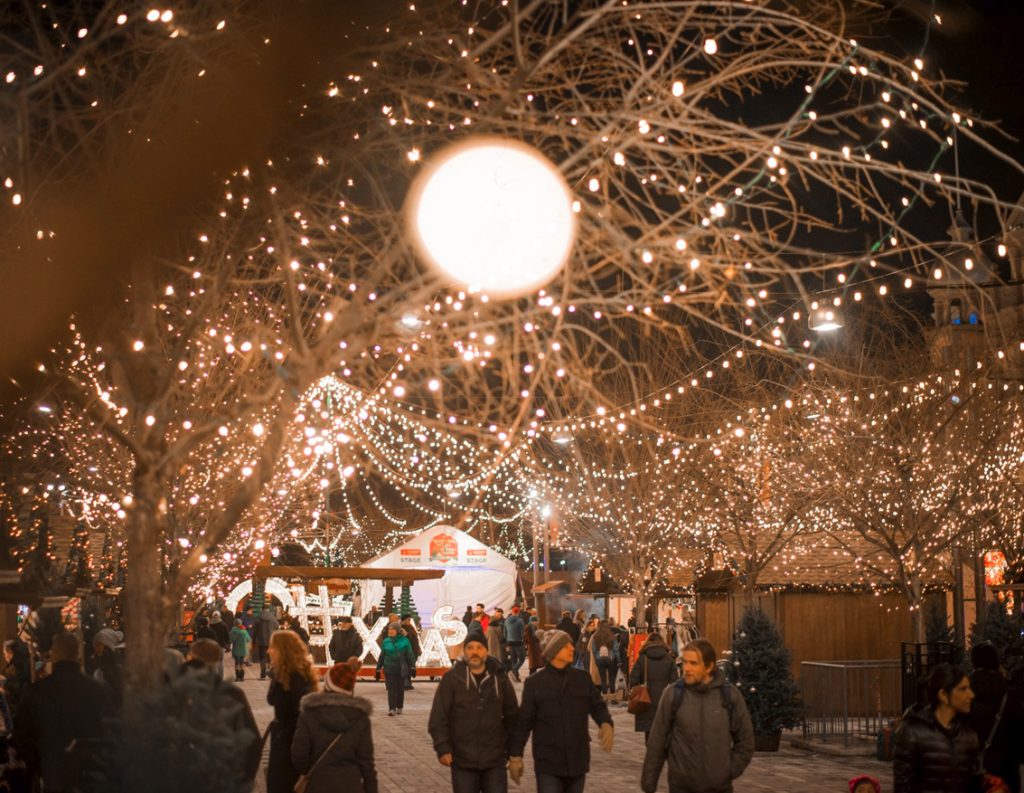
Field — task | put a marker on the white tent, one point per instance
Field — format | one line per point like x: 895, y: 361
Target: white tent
x: 474, y: 573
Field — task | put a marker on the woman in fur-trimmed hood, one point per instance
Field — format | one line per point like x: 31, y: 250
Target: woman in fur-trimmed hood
x: 333, y: 743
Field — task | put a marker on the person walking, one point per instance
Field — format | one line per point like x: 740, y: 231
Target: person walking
x: 292, y: 677
x: 345, y: 642
x: 515, y: 629
x: 535, y: 658
x: 935, y: 749
x: 472, y: 718
x: 109, y: 669
x: 656, y: 668
x: 17, y: 672
x: 496, y: 637
x: 996, y: 716
x: 467, y: 618
x: 567, y: 625
x: 603, y: 648
x: 222, y: 630
x: 205, y: 657
x: 482, y: 618
x: 239, y: 643
x: 333, y: 744
x: 702, y: 726
x: 413, y: 635
x: 266, y: 626
x: 63, y: 709
x: 557, y: 703
x: 396, y: 660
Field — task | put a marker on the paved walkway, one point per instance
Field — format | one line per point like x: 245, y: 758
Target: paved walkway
x: 406, y: 762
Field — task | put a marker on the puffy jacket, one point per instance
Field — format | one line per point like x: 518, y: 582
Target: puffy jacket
x: 393, y: 652
x: 474, y: 722
x: 348, y: 765
x: 240, y: 642
x: 710, y: 743
x: 1007, y: 748
x: 657, y: 666
x: 927, y: 758
x: 514, y: 627
x: 345, y: 644
x: 556, y: 706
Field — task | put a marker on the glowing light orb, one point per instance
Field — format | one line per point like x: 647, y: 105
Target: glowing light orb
x: 494, y: 216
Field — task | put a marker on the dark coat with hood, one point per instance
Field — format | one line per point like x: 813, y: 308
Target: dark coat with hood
x: 64, y: 707
x: 348, y: 766
x: 927, y: 758
x: 566, y: 624
x: 222, y: 632
x: 556, y: 706
x: 473, y: 720
x: 709, y: 744
x: 1006, y: 751
x: 266, y: 624
x: 345, y: 644
x: 656, y: 666
x: 281, y: 774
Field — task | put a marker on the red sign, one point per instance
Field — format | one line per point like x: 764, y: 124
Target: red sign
x: 410, y: 552
x: 444, y: 548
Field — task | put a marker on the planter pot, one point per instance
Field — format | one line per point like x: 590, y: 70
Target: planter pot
x: 767, y: 742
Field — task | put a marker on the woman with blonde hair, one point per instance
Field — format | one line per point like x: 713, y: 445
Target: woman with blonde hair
x: 292, y: 677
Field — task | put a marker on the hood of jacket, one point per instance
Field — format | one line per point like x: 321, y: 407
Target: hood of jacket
x: 988, y: 686
x: 336, y: 712
x: 654, y: 651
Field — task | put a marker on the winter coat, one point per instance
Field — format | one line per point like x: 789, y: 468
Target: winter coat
x: 110, y: 671
x: 299, y: 631
x: 414, y: 639
x: 571, y: 628
x: 345, y: 644
x: 240, y: 642
x: 281, y: 773
x: 348, y: 765
x: 223, y: 633
x: 56, y: 710
x: 514, y: 628
x: 207, y: 632
x: 467, y: 618
x: 534, y: 655
x: 927, y: 758
x: 17, y: 679
x: 657, y: 667
x: 393, y: 652
x: 474, y: 722
x: 494, y: 637
x: 710, y: 744
x: 475, y: 627
x: 1007, y: 748
x: 556, y: 706
x: 266, y: 624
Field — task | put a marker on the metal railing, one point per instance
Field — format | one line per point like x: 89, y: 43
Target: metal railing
x: 849, y: 701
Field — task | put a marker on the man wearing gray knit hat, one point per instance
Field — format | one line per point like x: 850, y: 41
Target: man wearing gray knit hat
x: 557, y: 703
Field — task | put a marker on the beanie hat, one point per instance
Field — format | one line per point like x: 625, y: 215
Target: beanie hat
x: 108, y: 637
x: 515, y: 609
x: 860, y: 780
x: 475, y: 636
x: 342, y: 676
x: 552, y: 641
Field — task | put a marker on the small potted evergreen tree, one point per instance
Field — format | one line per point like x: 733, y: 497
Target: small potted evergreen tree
x: 759, y: 667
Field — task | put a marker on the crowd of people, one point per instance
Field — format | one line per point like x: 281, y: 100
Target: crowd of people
x: 967, y: 738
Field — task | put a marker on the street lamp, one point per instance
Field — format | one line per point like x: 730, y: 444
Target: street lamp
x: 825, y: 319
x: 562, y: 437
x: 493, y: 215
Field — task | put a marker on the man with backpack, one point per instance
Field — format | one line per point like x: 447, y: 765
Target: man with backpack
x: 702, y: 727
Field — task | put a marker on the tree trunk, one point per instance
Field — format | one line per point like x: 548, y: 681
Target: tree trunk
x: 143, y: 595
x: 915, y: 598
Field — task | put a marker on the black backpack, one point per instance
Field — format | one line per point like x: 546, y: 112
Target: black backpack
x: 678, y: 689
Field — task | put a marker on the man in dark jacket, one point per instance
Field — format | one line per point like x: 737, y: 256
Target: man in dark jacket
x: 222, y: 631
x: 345, y: 642
x: 993, y: 699
x: 702, y: 725
x: 413, y: 635
x: 62, y: 709
x: 266, y: 624
x: 567, y: 625
x: 557, y: 701
x: 472, y: 718
x: 204, y: 667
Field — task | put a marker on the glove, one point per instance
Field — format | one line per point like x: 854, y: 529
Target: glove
x: 605, y: 736
x: 515, y: 769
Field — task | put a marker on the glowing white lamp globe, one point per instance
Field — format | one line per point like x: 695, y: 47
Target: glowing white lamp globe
x: 494, y: 216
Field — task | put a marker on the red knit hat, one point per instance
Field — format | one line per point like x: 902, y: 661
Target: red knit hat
x: 860, y: 780
x: 342, y: 676
x: 515, y: 609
